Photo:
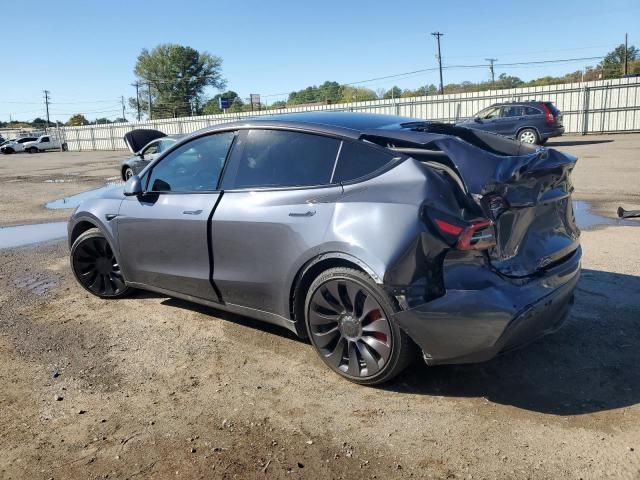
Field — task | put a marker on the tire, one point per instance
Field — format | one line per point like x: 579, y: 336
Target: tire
x: 349, y: 320
x: 127, y: 173
x: 65, y: 147
x: 8, y: 151
x: 95, y: 267
x: 528, y: 135
x: 32, y: 150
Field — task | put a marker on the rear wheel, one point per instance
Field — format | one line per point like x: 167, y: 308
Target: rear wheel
x: 350, y: 324
x: 65, y: 147
x: 528, y: 135
x: 95, y: 266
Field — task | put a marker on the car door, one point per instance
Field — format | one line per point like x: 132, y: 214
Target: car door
x: 511, y: 116
x: 162, y: 234
x: 278, y: 201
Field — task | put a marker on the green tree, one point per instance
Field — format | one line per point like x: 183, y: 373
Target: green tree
x: 77, y: 120
x: 177, y: 77
x: 393, y: 92
x: 613, y: 63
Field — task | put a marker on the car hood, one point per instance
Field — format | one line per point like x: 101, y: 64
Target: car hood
x: 138, y: 138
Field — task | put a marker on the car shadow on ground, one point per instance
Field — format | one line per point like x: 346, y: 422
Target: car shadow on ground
x: 571, y: 143
x: 591, y: 364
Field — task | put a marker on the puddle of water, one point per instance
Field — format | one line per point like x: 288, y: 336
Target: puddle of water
x: 22, y: 235
x: 74, y: 200
x: 587, y: 219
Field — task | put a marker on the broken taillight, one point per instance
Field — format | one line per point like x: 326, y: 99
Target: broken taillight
x: 477, y: 234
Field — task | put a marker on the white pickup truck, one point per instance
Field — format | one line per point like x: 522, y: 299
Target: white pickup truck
x: 43, y: 143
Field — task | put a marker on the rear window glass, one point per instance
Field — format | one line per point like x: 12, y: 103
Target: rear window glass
x: 276, y: 158
x: 531, y: 111
x: 358, y: 160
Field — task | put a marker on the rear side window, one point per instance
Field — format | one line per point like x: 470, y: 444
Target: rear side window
x: 358, y: 160
x: 532, y: 111
x: 277, y: 158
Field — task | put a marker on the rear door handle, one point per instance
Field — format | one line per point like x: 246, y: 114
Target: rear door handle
x: 309, y: 213
x: 192, y: 212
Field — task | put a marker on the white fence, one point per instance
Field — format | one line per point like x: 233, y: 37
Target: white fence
x: 603, y: 106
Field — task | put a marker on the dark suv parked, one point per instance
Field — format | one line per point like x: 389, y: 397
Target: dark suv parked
x: 529, y: 122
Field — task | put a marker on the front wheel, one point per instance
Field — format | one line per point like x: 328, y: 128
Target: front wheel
x: 65, y: 147
x: 127, y: 174
x: 32, y: 149
x: 528, y: 135
x: 95, y: 266
x: 349, y: 321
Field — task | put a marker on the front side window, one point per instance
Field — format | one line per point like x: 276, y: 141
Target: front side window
x: 358, y: 160
x: 277, y: 158
x: 193, y: 167
x: 491, y: 112
x: 45, y: 139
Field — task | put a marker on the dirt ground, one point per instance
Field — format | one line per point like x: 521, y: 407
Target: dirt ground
x: 153, y: 387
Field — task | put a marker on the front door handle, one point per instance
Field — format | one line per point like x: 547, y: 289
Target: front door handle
x: 192, y: 212
x: 308, y: 213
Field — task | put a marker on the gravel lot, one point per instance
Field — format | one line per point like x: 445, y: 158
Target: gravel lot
x: 152, y: 387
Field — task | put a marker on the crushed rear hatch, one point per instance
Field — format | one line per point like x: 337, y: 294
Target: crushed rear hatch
x: 525, y: 191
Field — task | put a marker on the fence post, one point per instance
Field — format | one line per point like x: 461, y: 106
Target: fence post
x: 78, y: 139
x: 93, y: 138
x: 585, y: 110
x: 113, y: 144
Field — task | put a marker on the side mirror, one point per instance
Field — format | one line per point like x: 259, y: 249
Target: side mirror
x: 141, y: 155
x: 477, y: 120
x: 133, y: 187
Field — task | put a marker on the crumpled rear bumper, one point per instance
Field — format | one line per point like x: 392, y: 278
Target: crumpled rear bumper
x: 467, y: 326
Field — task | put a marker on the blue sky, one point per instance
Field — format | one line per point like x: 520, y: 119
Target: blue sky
x: 84, y: 51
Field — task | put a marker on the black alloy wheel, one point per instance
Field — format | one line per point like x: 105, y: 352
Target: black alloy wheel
x: 349, y: 323
x: 95, y: 265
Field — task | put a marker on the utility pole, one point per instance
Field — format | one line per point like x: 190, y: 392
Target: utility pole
x: 626, y: 53
x: 46, y: 104
x: 149, y: 92
x: 137, y: 85
x: 122, y: 100
x: 493, y: 74
x: 438, y: 35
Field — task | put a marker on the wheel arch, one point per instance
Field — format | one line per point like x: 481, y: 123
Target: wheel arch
x: 79, y: 228
x: 528, y: 127
x: 309, y: 271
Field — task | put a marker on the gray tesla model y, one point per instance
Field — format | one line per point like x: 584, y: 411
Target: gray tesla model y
x: 374, y: 236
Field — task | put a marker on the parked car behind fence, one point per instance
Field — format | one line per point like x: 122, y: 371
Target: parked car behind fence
x: 528, y: 122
